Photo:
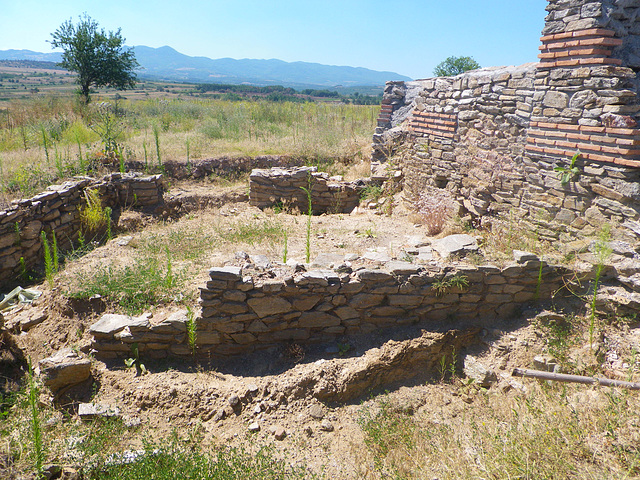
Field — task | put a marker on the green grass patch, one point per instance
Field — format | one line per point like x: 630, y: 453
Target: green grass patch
x: 252, y: 232
x: 169, y: 461
x: 134, y: 288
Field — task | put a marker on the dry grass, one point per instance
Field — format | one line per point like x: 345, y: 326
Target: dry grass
x: 48, y: 138
x: 553, y: 431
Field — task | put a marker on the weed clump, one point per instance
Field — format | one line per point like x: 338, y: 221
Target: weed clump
x: 435, y: 207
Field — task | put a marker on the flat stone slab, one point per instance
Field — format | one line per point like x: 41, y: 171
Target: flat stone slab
x: 455, y: 244
x: 521, y: 257
x: 402, y: 268
x: 327, y: 260
x: 110, y: 324
x: 379, y: 256
x: 92, y: 410
x: 226, y: 273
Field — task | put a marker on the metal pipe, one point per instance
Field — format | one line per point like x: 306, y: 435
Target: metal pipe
x: 560, y: 377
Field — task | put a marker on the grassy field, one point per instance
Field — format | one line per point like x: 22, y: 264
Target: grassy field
x: 45, y: 137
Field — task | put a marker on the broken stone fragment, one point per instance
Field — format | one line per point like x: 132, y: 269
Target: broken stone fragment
x: 64, y: 369
x: 254, y: 427
x: 92, y: 410
x: 481, y: 375
x: 110, y: 324
x: 278, y: 432
x: 454, y: 245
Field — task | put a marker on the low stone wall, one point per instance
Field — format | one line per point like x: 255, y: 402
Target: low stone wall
x: 57, y: 209
x: 244, y: 311
x: 284, y: 187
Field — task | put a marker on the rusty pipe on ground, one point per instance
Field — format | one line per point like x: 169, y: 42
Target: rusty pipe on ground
x: 561, y: 377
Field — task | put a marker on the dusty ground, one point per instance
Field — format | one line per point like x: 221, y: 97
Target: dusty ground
x: 306, y: 401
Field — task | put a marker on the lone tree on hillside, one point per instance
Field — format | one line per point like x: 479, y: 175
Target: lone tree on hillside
x: 99, y: 58
x: 455, y: 66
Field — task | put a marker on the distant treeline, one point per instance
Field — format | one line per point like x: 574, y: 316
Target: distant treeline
x: 278, y: 93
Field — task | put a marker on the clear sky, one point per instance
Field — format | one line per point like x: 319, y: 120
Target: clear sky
x: 409, y: 37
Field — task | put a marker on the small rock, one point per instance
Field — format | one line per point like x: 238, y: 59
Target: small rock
x: 123, y: 241
x: 546, y: 363
x: 482, y: 375
x: 132, y: 421
x: 254, y: 427
x: 234, y: 401
x: 523, y: 257
x: 317, y: 412
x: 220, y: 414
x: 278, y: 432
x: 326, y: 426
x: 91, y: 410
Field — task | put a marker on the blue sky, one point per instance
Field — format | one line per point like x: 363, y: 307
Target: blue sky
x: 409, y: 37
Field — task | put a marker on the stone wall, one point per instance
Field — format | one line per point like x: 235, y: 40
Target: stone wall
x: 494, y: 137
x: 246, y: 310
x: 57, y: 209
x: 283, y: 187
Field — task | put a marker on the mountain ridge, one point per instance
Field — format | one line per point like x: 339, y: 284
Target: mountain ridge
x: 166, y: 63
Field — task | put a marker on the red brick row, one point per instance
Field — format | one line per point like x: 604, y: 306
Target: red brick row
x: 435, y: 121
x: 576, y: 145
x: 625, y: 162
x: 580, y: 62
x: 585, y: 128
x: 429, y: 131
x: 433, y: 126
x: 447, y: 116
x: 628, y: 140
x: 601, y: 32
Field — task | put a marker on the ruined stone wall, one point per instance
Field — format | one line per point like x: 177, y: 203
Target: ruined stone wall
x: 493, y: 137
x: 57, y: 209
x: 284, y: 187
x: 243, y: 311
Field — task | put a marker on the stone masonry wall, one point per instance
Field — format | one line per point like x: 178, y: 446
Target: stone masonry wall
x: 284, y: 187
x: 57, y: 209
x: 493, y: 137
x: 243, y: 311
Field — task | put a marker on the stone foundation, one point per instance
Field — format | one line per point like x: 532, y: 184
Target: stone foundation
x: 57, y: 209
x: 285, y: 188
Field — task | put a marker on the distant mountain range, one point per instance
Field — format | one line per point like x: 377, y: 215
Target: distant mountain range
x: 167, y: 64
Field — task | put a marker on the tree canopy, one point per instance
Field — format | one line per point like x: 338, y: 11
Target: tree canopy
x: 455, y: 66
x: 99, y: 58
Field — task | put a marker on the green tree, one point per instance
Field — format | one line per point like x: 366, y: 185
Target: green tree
x: 99, y: 58
x: 455, y: 66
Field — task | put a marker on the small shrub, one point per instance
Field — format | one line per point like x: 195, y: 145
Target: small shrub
x: 435, y: 208
x: 94, y: 216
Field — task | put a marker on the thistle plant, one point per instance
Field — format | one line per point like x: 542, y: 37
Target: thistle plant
x: 45, y: 144
x: 48, y: 260
x: 286, y: 249
x: 435, y: 207
x: 309, y: 214
x: 603, y: 252
x: 156, y: 136
x: 192, y: 330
